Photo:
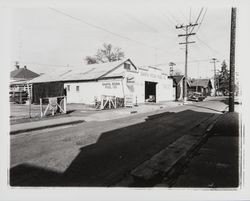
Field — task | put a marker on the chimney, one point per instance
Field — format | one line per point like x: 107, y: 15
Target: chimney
x: 17, y: 65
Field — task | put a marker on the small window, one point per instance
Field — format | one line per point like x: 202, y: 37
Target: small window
x: 127, y: 66
x: 77, y: 88
x: 68, y: 87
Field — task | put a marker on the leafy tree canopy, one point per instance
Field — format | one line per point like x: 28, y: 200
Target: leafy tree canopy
x: 222, y: 78
x: 107, y: 53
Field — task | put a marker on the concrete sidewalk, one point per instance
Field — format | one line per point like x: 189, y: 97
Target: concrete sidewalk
x: 43, y: 124
x: 163, y: 168
x: 217, y: 162
x: 81, y: 116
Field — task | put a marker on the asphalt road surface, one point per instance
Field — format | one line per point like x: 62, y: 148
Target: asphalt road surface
x: 101, y: 153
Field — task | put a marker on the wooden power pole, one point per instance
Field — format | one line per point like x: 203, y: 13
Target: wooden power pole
x: 232, y: 60
x: 186, y: 35
x: 214, y: 60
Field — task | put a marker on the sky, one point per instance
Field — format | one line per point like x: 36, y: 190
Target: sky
x: 45, y: 38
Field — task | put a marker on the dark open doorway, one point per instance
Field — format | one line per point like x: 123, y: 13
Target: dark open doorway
x: 150, y: 91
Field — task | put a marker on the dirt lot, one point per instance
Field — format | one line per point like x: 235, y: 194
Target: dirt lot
x: 19, y: 113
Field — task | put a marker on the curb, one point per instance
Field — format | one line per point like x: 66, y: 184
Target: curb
x: 44, y: 127
x: 162, y: 168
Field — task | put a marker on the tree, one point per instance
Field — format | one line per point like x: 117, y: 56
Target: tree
x: 177, y: 72
x: 106, y: 54
x: 223, y: 79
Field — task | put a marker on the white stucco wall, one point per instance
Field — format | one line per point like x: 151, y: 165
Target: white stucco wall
x: 164, y: 86
x: 89, y: 90
x: 120, y: 88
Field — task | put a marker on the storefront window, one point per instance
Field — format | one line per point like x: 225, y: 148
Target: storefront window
x: 77, y: 88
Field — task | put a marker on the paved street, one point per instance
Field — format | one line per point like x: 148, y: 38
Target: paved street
x: 101, y: 153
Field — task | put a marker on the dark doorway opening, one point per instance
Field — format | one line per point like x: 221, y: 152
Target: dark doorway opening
x: 150, y: 91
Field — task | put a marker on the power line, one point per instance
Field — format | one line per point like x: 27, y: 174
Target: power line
x: 196, y: 22
x: 180, y: 62
x: 201, y: 20
x: 184, y: 16
x: 140, y: 22
x: 105, y: 30
x: 212, y: 49
x: 146, y: 25
x: 41, y: 64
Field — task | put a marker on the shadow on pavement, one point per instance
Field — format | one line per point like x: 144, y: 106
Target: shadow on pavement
x: 216, y: 164
x: 114, y: 154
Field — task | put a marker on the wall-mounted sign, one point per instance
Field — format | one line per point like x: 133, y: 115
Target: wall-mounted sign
x: 152, y: 75
x: 110, y: 85
x: 130, y: 79
x: 128, y: 102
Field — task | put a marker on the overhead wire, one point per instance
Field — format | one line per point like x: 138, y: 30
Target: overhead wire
x: 209, y: 47
x: 197, y: 20
x: 105, y: 30
x: 201, y: 20
x: 179, y: 62
x: 42, y: 64
x: 203, y: 42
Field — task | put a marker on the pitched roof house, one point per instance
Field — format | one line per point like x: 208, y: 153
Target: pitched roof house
x: 201, y: 85
x: 22, y: 74
x: 19, y: 79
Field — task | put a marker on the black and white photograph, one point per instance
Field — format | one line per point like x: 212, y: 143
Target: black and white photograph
x: 126, y: 95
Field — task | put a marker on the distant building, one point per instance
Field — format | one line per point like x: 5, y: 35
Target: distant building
x: 200, y: 85
x: 19, y: 79
x: 121, y: 79
x: 178, y: 84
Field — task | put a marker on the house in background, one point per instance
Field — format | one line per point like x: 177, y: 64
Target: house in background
x: 19, y: 79
x: 178, y: 84
x: 203, y: 86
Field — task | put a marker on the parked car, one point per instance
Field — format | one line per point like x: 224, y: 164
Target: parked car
x: 237, y: 100
x: 151, y: 98
x: 196, y: 96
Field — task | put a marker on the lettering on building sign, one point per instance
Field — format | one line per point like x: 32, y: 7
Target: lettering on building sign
x: 152, y: 75
x: 144, y: 74
x: 130, y: 79
x: 128, y: 100
x: 160, y: 77
x: 110, y: 85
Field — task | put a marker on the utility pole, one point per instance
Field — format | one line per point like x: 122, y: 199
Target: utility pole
x: 214, y: 60
x: 232, y: 60
x: 186, y: 35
